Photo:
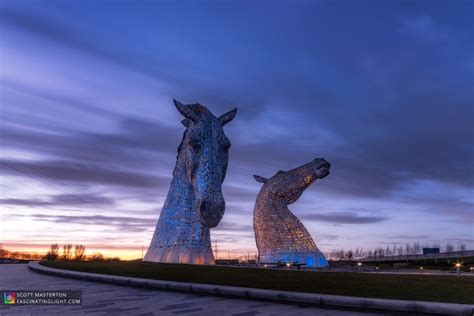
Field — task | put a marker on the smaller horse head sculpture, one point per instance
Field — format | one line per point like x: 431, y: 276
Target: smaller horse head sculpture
x: 205, y: 149
x: 279, y: 234
x: 289, y: 185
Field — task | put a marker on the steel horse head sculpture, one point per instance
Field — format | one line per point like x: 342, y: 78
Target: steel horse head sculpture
x: 280, y: 236
x: 194, y: 203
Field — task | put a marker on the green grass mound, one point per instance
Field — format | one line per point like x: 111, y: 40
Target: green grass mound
x: 442, y: 288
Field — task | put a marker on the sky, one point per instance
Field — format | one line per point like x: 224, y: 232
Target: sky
x: 381, y: 89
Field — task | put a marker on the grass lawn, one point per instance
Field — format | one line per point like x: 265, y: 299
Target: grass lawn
x: 443, y: 288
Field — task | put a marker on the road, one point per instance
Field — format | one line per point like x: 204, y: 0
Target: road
x: 108, y: 299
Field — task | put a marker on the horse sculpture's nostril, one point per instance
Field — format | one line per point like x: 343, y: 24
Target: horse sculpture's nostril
x: 321, y: 163
x: 204, y: 208
x: 211, y: 212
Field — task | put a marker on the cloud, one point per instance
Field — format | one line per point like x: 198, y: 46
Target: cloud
x: 61, y: 200
x: 389, y: 154
x: 424, y: 27
x: 62, y: 34
x: 462, y: 240
x: 320, y: 237
x: 56, y: 97
x: 130, y: 224
x: 79, y: 173
x: 233, y: 227
x: 409, y: 236
x: 24, y: 202
x: 57, y: 31
x: 345, y: 218
x: 122, y: 148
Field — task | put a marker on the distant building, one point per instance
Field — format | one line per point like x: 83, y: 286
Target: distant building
x: 430, y: 250
x: 227, y: 261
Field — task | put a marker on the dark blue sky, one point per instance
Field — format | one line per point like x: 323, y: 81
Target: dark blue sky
x: 381, y: 89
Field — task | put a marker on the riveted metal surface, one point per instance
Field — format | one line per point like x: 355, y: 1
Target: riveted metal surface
x: 194, y: 203
x: 280, y: 235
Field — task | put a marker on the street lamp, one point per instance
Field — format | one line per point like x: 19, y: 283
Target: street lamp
x: 421, y: 268
x: 458, y: 268
x: 472, y: 269
x: 377, y: 268
x: 359, y: 266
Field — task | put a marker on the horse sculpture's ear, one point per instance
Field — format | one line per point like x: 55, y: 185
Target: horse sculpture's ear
x: 186, y: 123
x: 227, y: 117
x: 187, y: 111
x: 260, y: 179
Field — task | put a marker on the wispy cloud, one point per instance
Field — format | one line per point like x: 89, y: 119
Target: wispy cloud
x: 424, y: 27
x: 61, y: 200
x: 409, y: 236
x: 78, y: 173
x: 345, y: 218
x: 130, y: 224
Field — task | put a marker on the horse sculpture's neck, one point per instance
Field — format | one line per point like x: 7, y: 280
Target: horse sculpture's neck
x: 179, y: 227
x: 181, y: 193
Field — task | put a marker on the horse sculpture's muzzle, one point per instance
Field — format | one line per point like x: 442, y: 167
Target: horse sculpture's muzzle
x: 212, y: 211
x: 321, y: 167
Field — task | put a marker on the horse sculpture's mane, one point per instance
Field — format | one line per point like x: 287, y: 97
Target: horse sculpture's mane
x: 187, y: 123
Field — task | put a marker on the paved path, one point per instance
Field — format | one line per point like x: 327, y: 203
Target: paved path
x: 105, y: 299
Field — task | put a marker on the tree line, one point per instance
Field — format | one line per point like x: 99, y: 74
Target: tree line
x: 69, y: 252
x: 395, y: 250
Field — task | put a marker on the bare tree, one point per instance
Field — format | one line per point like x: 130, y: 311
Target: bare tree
x: 338, y: 254
x: 67, y: 252
x: 53, y: 252
x: 113, y: 259
x: 79, y: 252
x: 15, y: 255
x: 416, y: 247
x: 449, y: 248
x: 96, y: 256
x: 462, y: 248
x: 376, y: 254
x: 3, y: 252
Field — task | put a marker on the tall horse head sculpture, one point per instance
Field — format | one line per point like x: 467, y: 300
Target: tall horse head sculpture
x: 279, y: 234
x: 194, y: 203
